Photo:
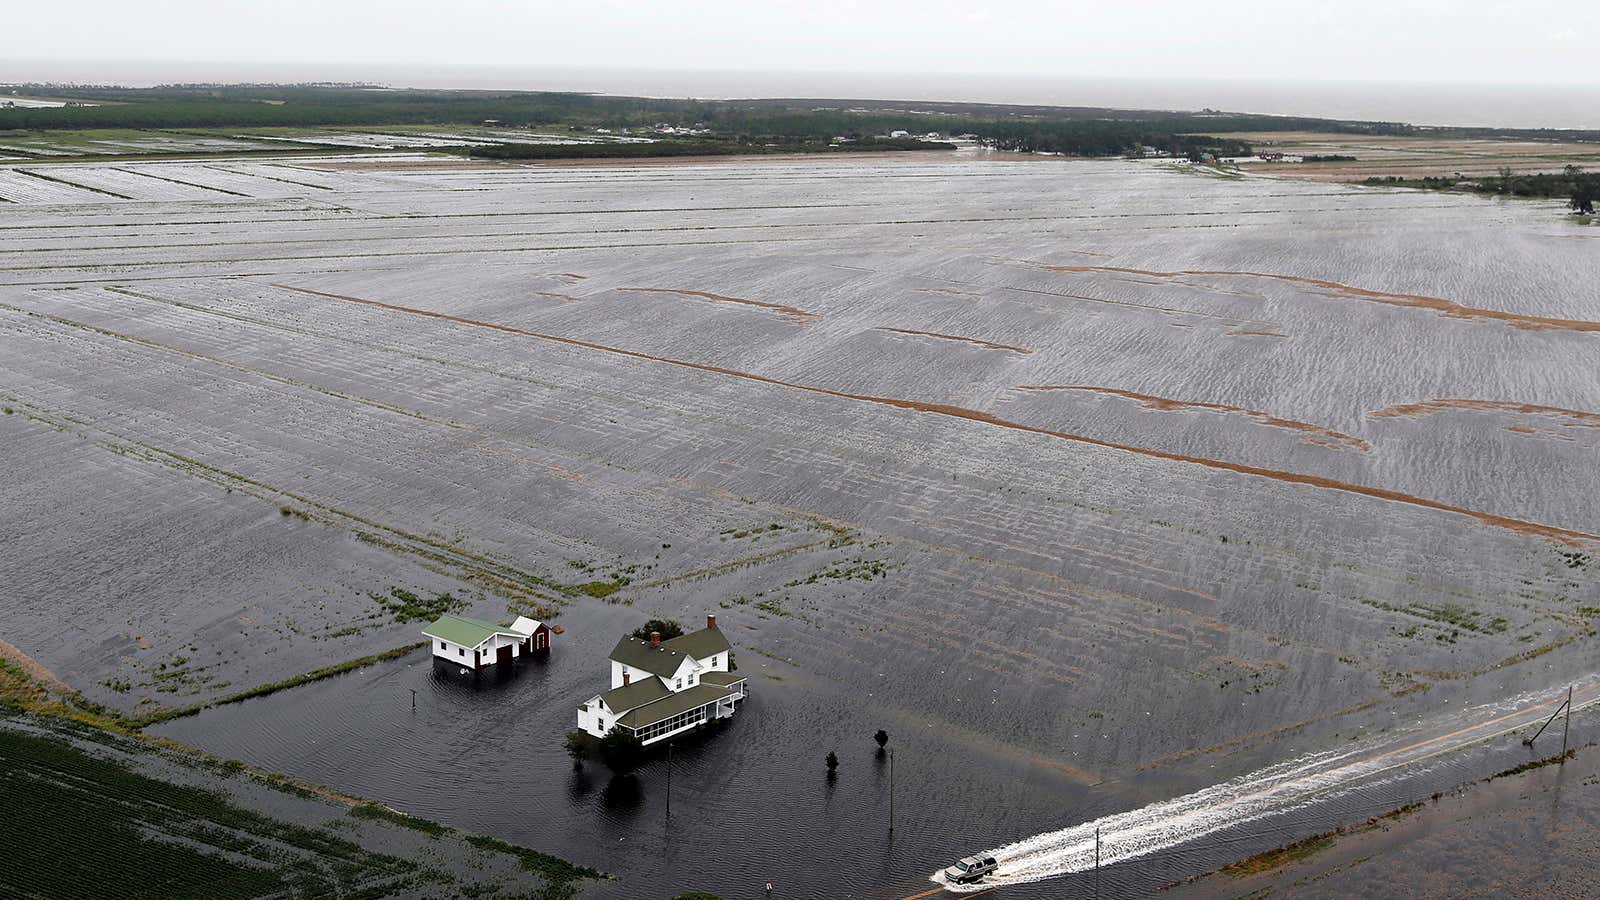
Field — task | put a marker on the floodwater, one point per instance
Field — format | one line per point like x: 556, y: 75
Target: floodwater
x: 480, y: 753
x: 1096, y: 484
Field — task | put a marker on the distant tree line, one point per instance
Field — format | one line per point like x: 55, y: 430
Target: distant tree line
x: 667, y: 148
x: 1103, y: 137
x: 1077, y: 131
x: 1580, y: 188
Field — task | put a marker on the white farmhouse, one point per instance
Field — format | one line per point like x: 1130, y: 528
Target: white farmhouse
x: 474, y: 643
x: 662, y: 688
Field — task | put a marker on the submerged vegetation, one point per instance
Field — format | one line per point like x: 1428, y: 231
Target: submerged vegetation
x: 263, y: 690
x: 620, y: 751
x: 409, y: 607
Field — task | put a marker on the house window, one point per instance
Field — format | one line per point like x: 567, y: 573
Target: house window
x: 677, y: 684
x: 460, y: 651
x: 441, y: 645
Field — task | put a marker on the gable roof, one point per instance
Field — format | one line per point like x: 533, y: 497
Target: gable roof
x: 664, y: 660
x: 465, y: 631
x: 632, y: 696
x: 700, y: 644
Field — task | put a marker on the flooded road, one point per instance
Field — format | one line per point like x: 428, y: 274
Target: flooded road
x: 1375, y: 766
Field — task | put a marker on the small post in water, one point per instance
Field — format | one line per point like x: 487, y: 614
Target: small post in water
x: 1097, y: 863
x: 669, y: 780
x: 1566, y: 726
x: 413, y: 698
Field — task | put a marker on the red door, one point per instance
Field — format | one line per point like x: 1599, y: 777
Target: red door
x: 503, y: 654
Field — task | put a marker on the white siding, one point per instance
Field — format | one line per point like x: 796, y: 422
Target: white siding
x: 452, y: 652
x: 594, y: 718
x: 462, y: 655
x: 681, y: 679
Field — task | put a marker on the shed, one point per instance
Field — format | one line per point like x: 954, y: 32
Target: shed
x: 474, y: 643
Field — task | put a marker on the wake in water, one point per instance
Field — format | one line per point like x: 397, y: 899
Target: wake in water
x: 1271, y: 791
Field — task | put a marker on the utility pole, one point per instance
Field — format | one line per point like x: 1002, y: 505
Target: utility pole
x: 1566, y: 726
x: 891, y: 791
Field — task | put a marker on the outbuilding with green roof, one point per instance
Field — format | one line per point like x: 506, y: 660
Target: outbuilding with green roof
x: 474, y: 643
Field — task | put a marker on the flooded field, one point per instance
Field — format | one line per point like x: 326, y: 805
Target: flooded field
x: 1097, y: 484
x: 1351, y: 157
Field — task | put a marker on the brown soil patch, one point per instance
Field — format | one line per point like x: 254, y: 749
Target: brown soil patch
x: 790, y: 311
x: 1521, y: 526
x: 1580, y: 418
x: 1167, y: 404
x: 35, y: 670
x: 953, y: 337
x: 1338, y: 289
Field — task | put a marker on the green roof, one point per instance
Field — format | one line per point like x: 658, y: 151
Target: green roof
x: 700, y: 644
x: 465, y: 631
x: 666, y: 708
x: 663, y: 660
x: 632, y: 696
x: 723, y: 679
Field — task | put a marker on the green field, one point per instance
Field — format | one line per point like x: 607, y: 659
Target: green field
x: 89, y: 814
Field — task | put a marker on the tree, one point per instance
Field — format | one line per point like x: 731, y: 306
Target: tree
x: 620, y: 750
x: 833, y: 761
x: 882, y: 737
x: 580, y: 746
x: 1583, y: 197
x: 668, y: 628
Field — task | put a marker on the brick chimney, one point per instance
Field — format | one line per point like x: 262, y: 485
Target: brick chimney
x: 711, y: 620
x: 626, y: 678
x: 655, y: 639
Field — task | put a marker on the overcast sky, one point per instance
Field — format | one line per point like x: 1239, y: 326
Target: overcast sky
x: 1470, y: 41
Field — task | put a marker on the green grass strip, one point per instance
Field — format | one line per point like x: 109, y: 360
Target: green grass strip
x: 163, y: 715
